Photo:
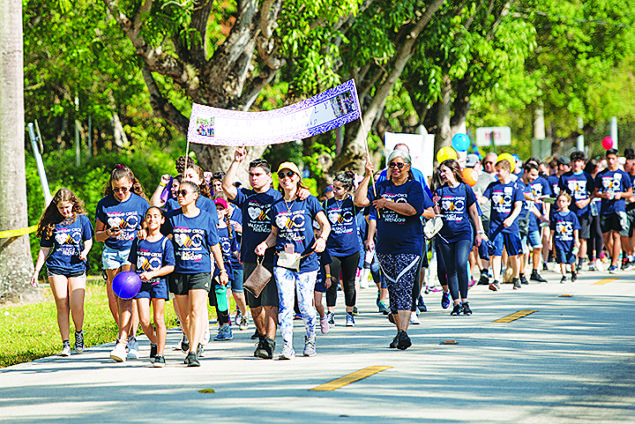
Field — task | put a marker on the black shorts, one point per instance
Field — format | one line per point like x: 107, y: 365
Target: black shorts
x: 68, y: 274
x: 615, y: 221
x: 269, y: 295
x: 585, y: 227
x: 627, y: 231
x: 181, y: 284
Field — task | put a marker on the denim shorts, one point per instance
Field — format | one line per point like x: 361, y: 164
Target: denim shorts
x: 52, y: 272
x: 534, y: 239
x: 510, y: 241
x: 237, y: 283
x: 113, y: 259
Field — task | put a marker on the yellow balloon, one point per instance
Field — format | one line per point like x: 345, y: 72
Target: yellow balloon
x: 509, y: 158
x: 446, y: 153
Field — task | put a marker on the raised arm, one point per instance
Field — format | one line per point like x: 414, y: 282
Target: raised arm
x: 228, y: 181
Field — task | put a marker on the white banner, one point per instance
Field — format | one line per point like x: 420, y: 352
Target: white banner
x: 421, y: 149
x: 502, y: 136
x: 319, y: 114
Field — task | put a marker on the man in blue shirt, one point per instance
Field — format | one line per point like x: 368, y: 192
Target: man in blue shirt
x: 628, y: 246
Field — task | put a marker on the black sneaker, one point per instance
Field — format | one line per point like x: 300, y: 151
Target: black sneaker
x: 574, y: 277
x: 265, y: 348
x: 159, y: 362
x: 494, y: 286
x: 192, y: 360
x: 537, y: 277
x: 395, y: 341
x: 153, y: 350
x: 523, y: 279
x: 404, y: 341
x: 456, y: 311
x: 563, y: 279
x: 79, y: 341
x: 255, y: 336
x: 466, y: 309
x: 185, y: 344
x: 545, y: 267
x: 516, y: 283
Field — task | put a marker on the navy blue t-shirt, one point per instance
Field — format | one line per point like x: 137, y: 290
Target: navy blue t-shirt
x: 66, y: 244
x: 203, y: 203
x: 455, y: 204
x: 192, y: 239
x: 127, y: 215
x: 150, y: 256
x: 343, y: 239
x: 324, y: 259
x: 294, y: 222
x: 564, y: 225
x: 236, y: 218
x: 399, y: 233
x: 228, y: 245
x: 255, y: 208
x: 554, y: 182
x: 613, y: 182
x: 579, y: 187
x: 503, y: 197
x: 417, y: 174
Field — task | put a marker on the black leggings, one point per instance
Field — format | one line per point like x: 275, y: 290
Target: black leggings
x: 595, y: 243
x: 455, y: 258
x: 348, y: 266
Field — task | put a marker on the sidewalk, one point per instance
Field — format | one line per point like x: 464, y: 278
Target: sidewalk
x: 570, y: 361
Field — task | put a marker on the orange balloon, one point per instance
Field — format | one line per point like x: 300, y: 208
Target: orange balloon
x: 469, y: 176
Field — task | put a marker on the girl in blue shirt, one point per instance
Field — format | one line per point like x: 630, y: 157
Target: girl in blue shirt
x: 456, y: 203
x: 564, y: 238
x: 66, y: 237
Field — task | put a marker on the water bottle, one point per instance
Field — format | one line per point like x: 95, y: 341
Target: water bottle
x: 594, y: 208
x: 221, y: 297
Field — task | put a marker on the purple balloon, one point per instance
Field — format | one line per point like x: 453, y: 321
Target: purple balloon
x: 126, y: 284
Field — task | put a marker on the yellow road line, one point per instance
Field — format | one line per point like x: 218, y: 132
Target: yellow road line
x: 350, y: 378
x: 605, y: 281
x: 515, y: 316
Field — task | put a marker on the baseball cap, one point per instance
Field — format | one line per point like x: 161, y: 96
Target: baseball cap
x: 471, y: 160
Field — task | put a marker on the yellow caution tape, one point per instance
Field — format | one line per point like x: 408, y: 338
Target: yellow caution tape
x: 17, y: 233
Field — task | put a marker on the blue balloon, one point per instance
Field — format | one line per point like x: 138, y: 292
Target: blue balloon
x: 460, y: 142
x: 126, y: 284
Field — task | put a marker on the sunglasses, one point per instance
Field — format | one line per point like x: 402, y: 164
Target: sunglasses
x: 121, y: 189
x: 282, y: 174
x: 183, y: 193
x: 399, y: 165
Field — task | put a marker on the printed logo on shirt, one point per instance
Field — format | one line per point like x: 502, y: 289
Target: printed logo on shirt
x: 189, y: 242
x: 291, y: 225
x: 612, y: 183
x: 453, y: 208
x: 564, y: 230
x: 502, y: 201
x: 258, y: 217
x: 128, y: 222
x: 341, y: 220
x: 577, y: 188
x: 389, y: 215
x: 68, y: 240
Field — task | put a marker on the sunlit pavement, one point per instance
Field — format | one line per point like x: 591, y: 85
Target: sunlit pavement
x: 572, y: 360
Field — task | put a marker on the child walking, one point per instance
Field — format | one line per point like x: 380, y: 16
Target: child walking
x: 564, y: 238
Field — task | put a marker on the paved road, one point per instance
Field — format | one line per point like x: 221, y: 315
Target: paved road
x: 571, y: 361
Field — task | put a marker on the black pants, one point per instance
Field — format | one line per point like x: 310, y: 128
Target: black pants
x: 595, y: 243
x: 348, y: 266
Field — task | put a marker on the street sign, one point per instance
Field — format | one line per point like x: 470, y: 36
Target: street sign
x: 502, y: 136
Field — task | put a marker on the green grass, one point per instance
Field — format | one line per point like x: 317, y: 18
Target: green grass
x: 29, y: 332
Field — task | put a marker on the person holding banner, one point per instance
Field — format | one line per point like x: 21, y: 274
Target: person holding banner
x: 296, y: 264
x: 66, y: 238
x: 400, y: 202
x: 118, y: 217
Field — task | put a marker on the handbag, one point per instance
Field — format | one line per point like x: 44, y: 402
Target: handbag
x: 258, y: 279
x: 289, y: 260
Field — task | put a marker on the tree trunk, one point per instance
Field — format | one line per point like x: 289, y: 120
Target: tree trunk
x: 443, y: 135
x: 16, y: 266
x: 218, y: 158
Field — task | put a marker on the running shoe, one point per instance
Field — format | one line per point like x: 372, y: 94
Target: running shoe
x: 445, y: 300
x: 200, y: 350
x: 574, y: 277
x: 287, y: 352
x: 537, y: 277
x: 456, y: 310
x: 324, y: 325
x: 265, y: 348
x: 414, y: 319
x: 471, y: 284
x: 244, y: 323
x: 516, y: 283
x: 79, y: 341
x: 224, y: 334
x: 66, y: 349
x: 383, y: 308
x: 612, y: 269
x: 331, y: 318
x: 355, y: 310
x: 466, y: 309
x: 118, y: 354
x: 421, y: 305
x: 624, y: 266
x: 185, y: 344
x: 592, y: 266
x: 309, y: 346
x: 433, y: 289
x: 350, y: 320
x: 563, y: 279
x: 494, y: 286
x: 395, y: 341
x: 404, y: 341
x: 545, y: 267
x: 256, y: 335
x: 133, y: 348
x: 159, y: 362
x: 523, y: 280
x: 484, y: 280
x: 192, y: 360
x: 153, y: 350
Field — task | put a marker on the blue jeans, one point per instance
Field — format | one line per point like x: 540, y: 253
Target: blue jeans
x: 455, y: 258
x: 289, y: 284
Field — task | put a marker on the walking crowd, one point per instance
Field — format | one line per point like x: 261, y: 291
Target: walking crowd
x: 200, y: 236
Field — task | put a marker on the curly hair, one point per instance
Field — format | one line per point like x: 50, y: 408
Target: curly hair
x: 182, y: 163
x: 346, y: 178
x: 203, y: 187
x: 120, y: 172
x: 51, y: 215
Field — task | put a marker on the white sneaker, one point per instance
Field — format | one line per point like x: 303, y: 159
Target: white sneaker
x: 414, y: 318
x: 118, y: 354
x: 244, y: 323
x: 66, y: 350
x: 133, y: 348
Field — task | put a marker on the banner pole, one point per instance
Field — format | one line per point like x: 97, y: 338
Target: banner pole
x: 372, y: 176
x: 187, y: 152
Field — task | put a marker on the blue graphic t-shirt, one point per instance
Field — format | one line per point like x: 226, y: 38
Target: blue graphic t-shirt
x: 503, y: 197
x: 228, y: 245
x: 383, y: 176
x: 66, y: 244
x: 616, y: 181
x: 343, y: 239
x: 236, y: 218
x: 150, y: 256
x: 455, y: 204
x: 127, y: 215
x: 192, y: 239
x: 579, y: 187
x: 203, y: 203
x: 564, y: 224
x: 294, y: 222
x: 554, y: 182
x: 399, y: 233
x: 255, y: 208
